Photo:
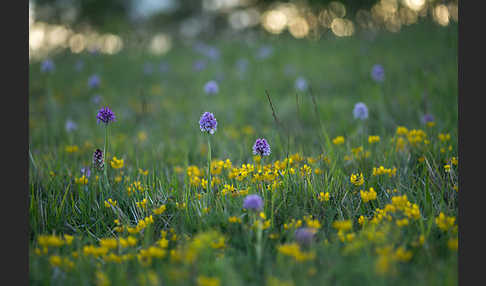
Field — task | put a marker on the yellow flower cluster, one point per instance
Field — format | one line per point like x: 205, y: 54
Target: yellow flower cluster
x: 445, y: 222
x: 135, y: 186
x: 111, y: 203
x: 218, y: 165
x: 142, y: 224
x: 71, y: 148
x: 387, y: 257
x: 447, y: 168
x: 373, y: 139
x: 46, y: 241
x: 305, y: 170
x: 338, y: 140
x: 261, y: 223
x: 126, y: 242
x: 402, y: 130
x: 356, y: 179
x: 416, y: 136
x: 207, y: 281
x: 142, y: 204
x: 312, y: 223
x: 241, y: 173
x: 453, y: 243
x: 142, y: 172
x: 384, y: 171
x: 234, y: 219
x: 367, y: 196
x: 202, y: 242
x: 343, y: 226
x: 194, y: 174
x: 145, y: 256
x: 323, y: 197
x: 399, y: 204
x: 293, y: 250
x: 64, y: 263
x: 81, y: 181
x: 444, y: 137
x: 359, y: 153
x: 293, y: 224
x: 116, y: 163
x: 159, y: 210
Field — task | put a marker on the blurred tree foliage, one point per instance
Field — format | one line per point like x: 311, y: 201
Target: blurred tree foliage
x: 114, y: 15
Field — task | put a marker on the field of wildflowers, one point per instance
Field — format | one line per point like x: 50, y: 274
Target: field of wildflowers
x: 252, y: 161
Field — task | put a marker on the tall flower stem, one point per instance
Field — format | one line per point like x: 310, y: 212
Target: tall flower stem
x: 258, y: 246
x: 105, y: 150
x: 209, y: 164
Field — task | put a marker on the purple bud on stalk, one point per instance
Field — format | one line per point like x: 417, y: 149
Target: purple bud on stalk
x: 261, y: 147
x: 253, y: 202
x: 208, y: 123
x: 105, y: 115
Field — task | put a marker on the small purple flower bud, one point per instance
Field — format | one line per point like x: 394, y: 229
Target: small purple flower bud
x: 301, y: 84
x: 264, y: 52
x: 47, y: 66
x: 96, y: 99
x: 253, y: 202
x: 360, y: 111
x: 94, y: 81
x: 86, y: 171
x: 199, y: 65
x: 211, y: 87
x: 71, y: 125
x: 427, y: 118
x: 261, y: 147
x: 208, y: 123
x: 378, y: 73
x: 105, y: 115
x: 304, y: 235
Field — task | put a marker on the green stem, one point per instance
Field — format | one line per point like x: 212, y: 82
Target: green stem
x: 209, y: 165
x: 258, y: 246
x: 105, y: 150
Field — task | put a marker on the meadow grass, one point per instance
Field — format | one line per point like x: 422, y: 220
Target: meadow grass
x: 166, y: 229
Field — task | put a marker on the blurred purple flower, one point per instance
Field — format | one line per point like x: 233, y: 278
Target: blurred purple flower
x: 378, y: 73
x: 94, y: 81
x: 211, y: 87
x: 71, y: 125
x: 360, y: 111
x: 304, y: 235
x: 253, y: 202
x: 264, y: 52
x: 199, y: 65
x: 207, y: 50
x: 427, y: 118
x: 47, y: 66
x: 96, y: 99
x: 301, y: 84
x: 208, y: 123
x: 86, y: 171
x: 261, y: 147
x: 105, y: 115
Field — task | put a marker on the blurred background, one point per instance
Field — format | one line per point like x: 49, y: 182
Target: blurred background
x: 110, y: 26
